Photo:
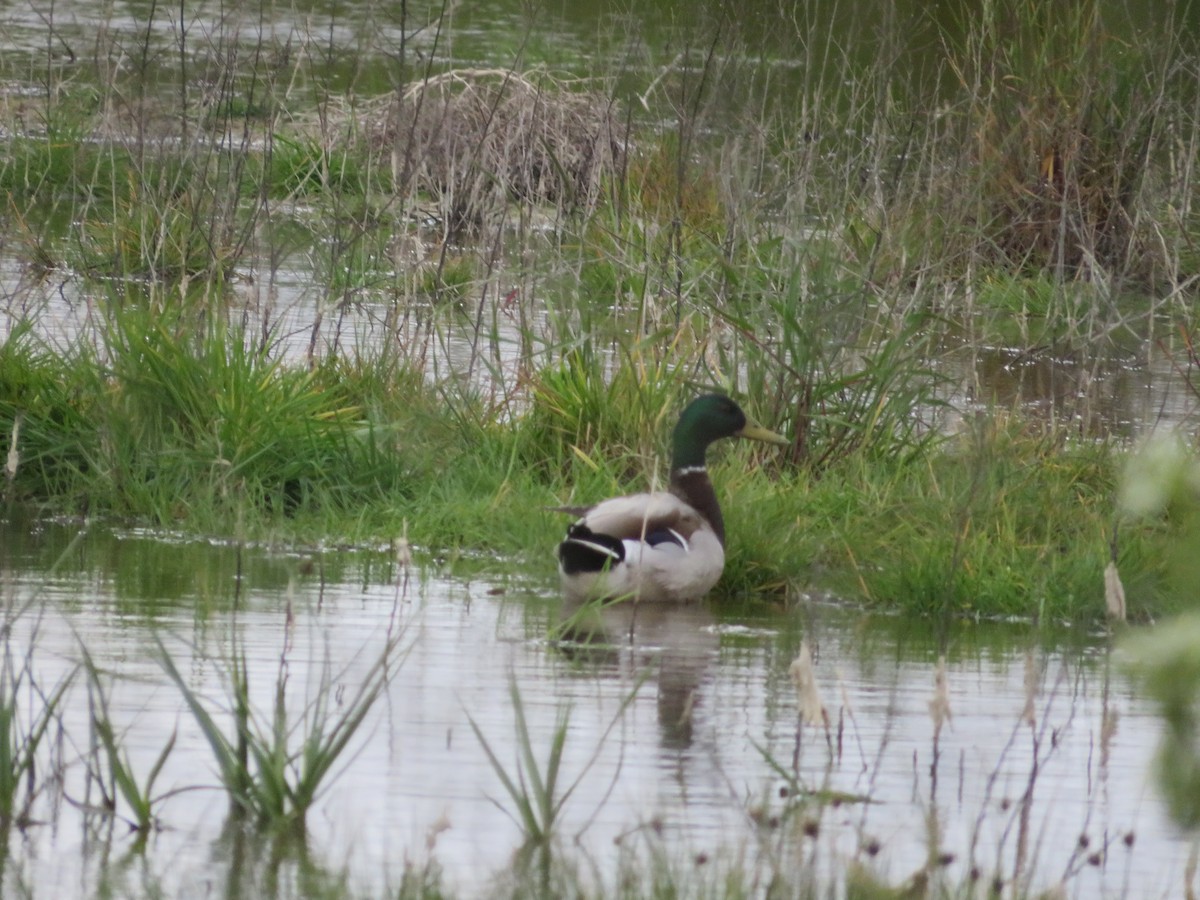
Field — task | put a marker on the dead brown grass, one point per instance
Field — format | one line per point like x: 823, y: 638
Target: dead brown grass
x: 477, y: 138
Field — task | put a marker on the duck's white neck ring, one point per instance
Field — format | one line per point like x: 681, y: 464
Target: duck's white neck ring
x: 691, y: 470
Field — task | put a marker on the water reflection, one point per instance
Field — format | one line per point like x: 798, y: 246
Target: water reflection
x: 682, y: 741
x: 673, y: 644
x: 1119, y: 392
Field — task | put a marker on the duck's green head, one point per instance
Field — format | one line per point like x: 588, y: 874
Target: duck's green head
x: 710, y: 418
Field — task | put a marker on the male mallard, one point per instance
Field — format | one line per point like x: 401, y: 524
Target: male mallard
x: 665, y: 545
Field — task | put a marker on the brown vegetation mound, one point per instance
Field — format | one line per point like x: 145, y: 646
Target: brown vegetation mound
x: 477, y: 138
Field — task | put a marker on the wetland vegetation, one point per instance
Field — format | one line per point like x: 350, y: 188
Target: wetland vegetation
x: 512, y: 280
x: 408, y: 275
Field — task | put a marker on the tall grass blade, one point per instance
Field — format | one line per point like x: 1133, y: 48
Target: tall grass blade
x: 276, y: 774
x: 140, y: 798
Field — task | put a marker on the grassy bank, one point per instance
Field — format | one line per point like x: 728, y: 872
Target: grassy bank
x: 502, y: 284
x: 211, y: 434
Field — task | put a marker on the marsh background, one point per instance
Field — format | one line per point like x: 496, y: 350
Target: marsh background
x: 310, y: 312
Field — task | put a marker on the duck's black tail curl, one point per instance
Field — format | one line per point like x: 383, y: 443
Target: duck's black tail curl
x: 584, y: 550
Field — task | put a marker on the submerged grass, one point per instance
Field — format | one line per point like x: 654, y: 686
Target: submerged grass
x: 532, y: 788
x: 30, y: 711
x: 111, y: 768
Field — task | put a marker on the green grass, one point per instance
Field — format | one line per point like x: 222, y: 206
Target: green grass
x: 29, y: 713
x: 1024, y: 533
x: 110, y: 766
x: 211, y: 434
x: 1021, y: 533
x: 186, y: 420
x: 275, y: 763
x: 533, y: 788
x: 301, y: 167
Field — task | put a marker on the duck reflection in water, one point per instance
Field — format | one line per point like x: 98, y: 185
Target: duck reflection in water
x: 674, y: 643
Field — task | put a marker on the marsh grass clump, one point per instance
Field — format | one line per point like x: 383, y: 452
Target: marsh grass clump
x: 45, y: 394
x: 187, y: 418
x: 1029, y: 524
x: 303, y: 166
x: 596, y: 409
x: 274, y: 765
x: 216, y: 410
x: 477, y: 139
x: 870, y: 390
x: 189, y: 235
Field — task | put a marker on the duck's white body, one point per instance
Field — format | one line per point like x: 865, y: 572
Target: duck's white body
x: 670, y: 553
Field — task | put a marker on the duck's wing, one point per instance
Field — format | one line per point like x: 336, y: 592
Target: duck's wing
x: 644, y: 517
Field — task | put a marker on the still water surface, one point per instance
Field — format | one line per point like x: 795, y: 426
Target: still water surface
x: 681, y: 769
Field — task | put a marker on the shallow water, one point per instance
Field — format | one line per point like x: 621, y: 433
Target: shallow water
x: 681, y: 769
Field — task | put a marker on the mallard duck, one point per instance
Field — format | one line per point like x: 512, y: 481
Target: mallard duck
x: 664, y: 545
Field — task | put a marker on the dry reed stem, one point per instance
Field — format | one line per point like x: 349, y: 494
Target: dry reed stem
x: 14, y: 454
x: 1029, y: 713
x: 939, y: 706
x: 1114, y: 593
x: 812, y: 710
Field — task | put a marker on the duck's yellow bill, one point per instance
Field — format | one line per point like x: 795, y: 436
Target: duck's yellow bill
x: 758, y: 433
